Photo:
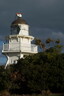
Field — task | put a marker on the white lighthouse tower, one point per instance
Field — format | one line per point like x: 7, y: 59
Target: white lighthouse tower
x: 19, y: 42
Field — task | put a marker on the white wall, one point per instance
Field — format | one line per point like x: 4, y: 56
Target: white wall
x: 24, y: 29
x: 12, y: 57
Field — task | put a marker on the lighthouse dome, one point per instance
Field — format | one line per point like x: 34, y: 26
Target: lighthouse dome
x: 18, y: 24
x: 18, y: 21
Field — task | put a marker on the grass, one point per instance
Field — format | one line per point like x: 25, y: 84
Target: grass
x: 6, y: 93
x: 40, y: 95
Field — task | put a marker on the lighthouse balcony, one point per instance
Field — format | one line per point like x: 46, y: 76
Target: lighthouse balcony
x: 16, y: 47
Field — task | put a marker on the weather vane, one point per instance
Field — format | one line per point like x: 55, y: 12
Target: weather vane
x: 19, y: 14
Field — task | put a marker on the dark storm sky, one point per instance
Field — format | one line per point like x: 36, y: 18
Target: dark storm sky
x: 45, y: 17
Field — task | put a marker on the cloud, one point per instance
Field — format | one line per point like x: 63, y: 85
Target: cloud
x: 2, y: 38
x: 44, y: 33
x: 58, y: 35
x: 38, y: 13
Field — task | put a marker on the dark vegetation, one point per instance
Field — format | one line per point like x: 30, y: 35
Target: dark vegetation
x: 39, y: 73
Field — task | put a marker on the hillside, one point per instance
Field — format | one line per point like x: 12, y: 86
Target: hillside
x: 35, y: 73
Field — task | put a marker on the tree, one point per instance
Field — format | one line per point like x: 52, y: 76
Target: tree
x: 57, y: 41
x: 42, y: 71
x: 39, y: 42
x: 49, y: 40
x: 5, y: 83
x: 35, y: 73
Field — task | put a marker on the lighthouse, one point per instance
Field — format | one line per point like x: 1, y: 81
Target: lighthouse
x: 19, y: 41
